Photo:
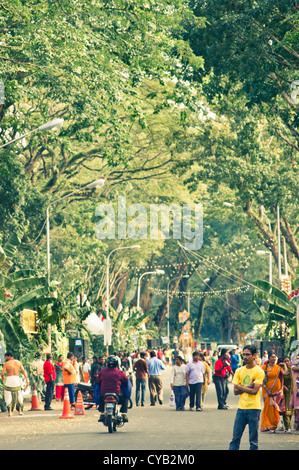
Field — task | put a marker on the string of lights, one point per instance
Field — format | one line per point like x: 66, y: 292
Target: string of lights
x: 193, y: 294
x: 219, y: 270
x: 232, y: 255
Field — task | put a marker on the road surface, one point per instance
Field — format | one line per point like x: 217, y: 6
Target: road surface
x: 158, y: 428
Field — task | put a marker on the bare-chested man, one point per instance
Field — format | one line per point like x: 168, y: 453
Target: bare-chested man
x: 13, y: 385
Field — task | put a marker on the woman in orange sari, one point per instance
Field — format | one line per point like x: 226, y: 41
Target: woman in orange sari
x: 272, y: 394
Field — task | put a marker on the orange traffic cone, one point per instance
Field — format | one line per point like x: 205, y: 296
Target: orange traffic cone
x: 66, y: 406
x: 35, y: 402
x: 79, y: 409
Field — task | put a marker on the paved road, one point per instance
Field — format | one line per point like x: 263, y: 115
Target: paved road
x: 150, y: 429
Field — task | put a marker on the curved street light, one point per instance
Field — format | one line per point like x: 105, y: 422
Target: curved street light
x: 54, y: 125
x: 95, y: 184
x: 158, y: 271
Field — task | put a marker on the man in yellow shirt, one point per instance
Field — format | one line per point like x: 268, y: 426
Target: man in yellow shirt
x: 247, y: 383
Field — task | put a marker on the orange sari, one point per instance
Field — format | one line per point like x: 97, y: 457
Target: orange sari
x: 270, y: 415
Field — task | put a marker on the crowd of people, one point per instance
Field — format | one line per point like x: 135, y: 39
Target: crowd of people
x: 191, y: 372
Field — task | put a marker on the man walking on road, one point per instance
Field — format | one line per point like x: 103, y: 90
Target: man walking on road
x: 50, y: 377
x: 13, y: 386
x: 141, y: 369
x: 155, y: 366
x: 247, y: 383
x: 195, y: 371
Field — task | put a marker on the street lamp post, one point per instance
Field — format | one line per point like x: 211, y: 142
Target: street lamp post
x: 285, y: 256
x: 95, y: 184
x: 52, y: 125
x: 168, y: 304
x: 262, y: 252
x: 278, y: 246
x: 158, y: 271
x: 108, y: 337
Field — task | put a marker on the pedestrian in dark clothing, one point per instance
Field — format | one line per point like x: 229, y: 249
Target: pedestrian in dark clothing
x: 141, y: 369
x: 98, y: 365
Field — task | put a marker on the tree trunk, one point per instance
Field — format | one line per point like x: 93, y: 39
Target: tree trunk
x: 119, y: 290
x: 200, y: 312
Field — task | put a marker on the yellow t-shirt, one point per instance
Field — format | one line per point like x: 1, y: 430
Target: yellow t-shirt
x: 244, y: 377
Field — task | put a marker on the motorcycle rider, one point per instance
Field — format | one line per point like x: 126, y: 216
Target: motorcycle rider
x: 110, y: 380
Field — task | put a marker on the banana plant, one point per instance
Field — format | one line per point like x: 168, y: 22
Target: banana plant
x: 24, y: 289
x: 128, y: 328
x: 280, y: 308
x: 19, y: 289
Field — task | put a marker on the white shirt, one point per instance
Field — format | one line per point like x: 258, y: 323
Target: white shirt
x: 86, y: 367
x: 196, y: 372
x: 178, y: 375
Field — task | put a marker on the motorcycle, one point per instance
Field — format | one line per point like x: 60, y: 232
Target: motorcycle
x: 112, y: 417
x: 87, y: 392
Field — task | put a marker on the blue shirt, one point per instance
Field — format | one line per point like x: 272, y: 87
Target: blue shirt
x: 155, y: 366
x: 234, y: 361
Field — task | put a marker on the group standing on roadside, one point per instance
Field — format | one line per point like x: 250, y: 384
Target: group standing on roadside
x: 280, y: 392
